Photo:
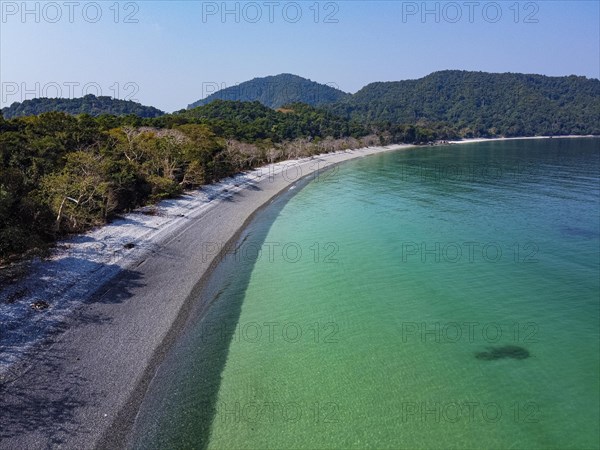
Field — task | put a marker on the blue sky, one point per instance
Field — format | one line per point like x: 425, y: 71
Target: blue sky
x: 169, y: 54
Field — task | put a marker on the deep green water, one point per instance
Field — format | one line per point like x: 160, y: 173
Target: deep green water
x: 378, y: 285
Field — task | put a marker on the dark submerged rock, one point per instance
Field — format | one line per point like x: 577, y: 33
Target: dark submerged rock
x: 507, y: 351
x: 40, y: 305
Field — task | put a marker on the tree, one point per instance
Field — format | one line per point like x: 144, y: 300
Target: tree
x: 79, y: 195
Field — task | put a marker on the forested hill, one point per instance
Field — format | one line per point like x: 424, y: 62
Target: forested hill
x: 472, y: 103
x: 62, y: 173
x: 90, y: 104
x: 250, y: 121
x: 483, y: 104
x: 276, y: 91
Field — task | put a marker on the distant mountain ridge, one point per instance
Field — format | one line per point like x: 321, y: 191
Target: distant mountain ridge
x: 89, y: 104
x: 477, y: 103
x: 278, y: 90
x: 472, y: 103
x: 486, y: 103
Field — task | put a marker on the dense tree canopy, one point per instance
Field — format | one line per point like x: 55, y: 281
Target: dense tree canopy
x: 482, y: 104
x: 61, y: 173
x: 90, y: 104
x: 251, y: 121
x: 275, y: 91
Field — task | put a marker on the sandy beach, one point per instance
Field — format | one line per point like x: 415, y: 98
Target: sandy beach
x: 119, y: 296
x: 72, y: 375
x: 474, y: 140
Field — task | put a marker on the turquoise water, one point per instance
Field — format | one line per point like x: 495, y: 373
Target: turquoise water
x: 441, y: 297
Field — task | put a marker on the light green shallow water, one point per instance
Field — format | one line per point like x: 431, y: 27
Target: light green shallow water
x: 411, y: 264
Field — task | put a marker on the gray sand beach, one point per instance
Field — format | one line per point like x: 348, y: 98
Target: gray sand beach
x: 81, y: 387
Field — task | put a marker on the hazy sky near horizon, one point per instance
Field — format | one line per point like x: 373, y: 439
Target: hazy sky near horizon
x: 170, y: 53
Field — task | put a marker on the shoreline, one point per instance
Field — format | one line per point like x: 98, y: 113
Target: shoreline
x: 475, y: 140
x: 71, y: 382
x: 121, y: 314
x: 101, y: 253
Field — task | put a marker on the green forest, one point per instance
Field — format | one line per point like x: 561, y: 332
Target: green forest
x: 474, y: 104
x: 68, y: 165
x: 275, y: 92
x: 89, y: 104
x: 479, y: 104
x: 62, y: 173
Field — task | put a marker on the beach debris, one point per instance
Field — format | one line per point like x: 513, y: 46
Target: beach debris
x: 129, y: 246
x: 507, y: 351
x: 40, y: 305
